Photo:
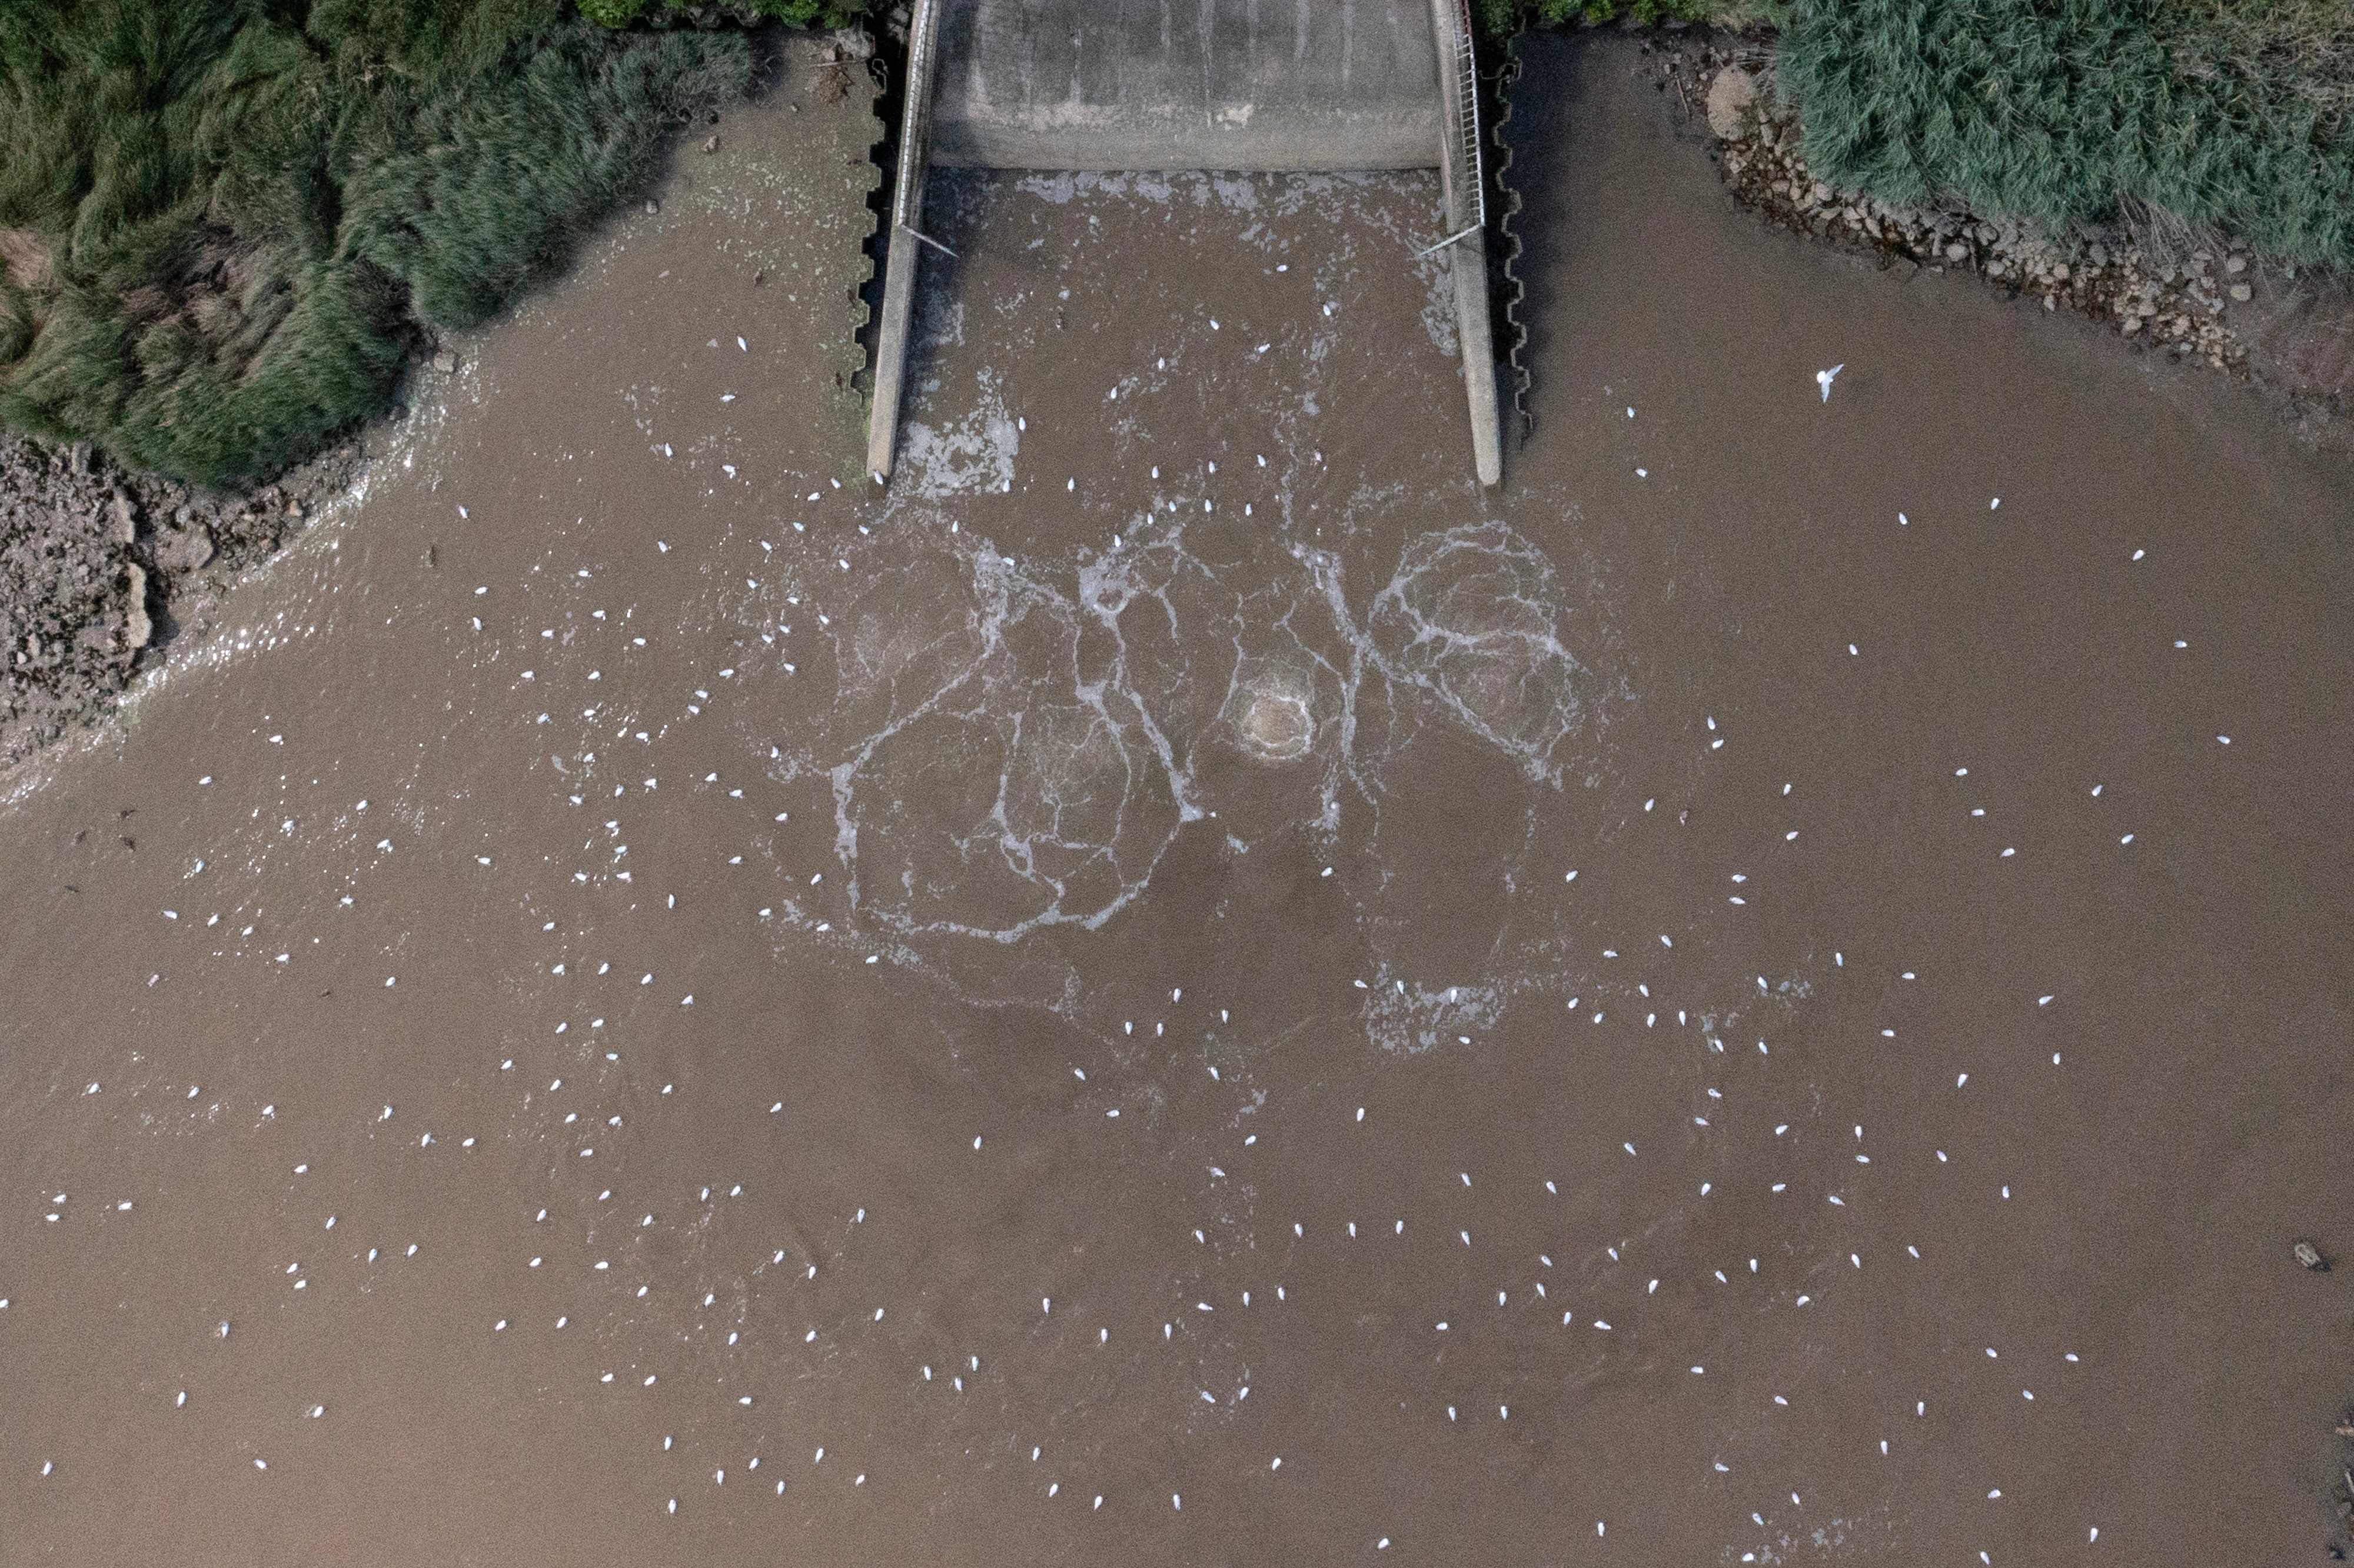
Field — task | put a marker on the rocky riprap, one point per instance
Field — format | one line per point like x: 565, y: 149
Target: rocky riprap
x: 100, y: 567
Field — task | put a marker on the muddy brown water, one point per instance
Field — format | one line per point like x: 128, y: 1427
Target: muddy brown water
x: 1728, y: 1003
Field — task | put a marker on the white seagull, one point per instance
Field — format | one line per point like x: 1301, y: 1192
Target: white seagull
x: 1823, y: 378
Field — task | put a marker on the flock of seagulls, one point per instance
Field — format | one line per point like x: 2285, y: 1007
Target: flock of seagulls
x: 700, y: 734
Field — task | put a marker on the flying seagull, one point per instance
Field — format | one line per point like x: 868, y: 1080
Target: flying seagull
x: 1823, y: 378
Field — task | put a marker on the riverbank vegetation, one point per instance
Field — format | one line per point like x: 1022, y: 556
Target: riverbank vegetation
x: 743, y: 12
x: 2234, y: 116
x: 2229, y: 115
x: 225, y: 223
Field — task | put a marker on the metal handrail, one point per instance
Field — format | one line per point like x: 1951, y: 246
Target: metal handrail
x: 915, y: 124
x: 1466, y: 137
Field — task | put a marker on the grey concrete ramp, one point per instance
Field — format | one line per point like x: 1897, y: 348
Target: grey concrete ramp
x: 1187, y: 84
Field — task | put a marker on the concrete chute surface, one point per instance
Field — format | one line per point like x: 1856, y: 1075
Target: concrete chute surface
x: 1073, y: 85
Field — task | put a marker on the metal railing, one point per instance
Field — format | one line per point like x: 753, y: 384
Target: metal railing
x: 916, y: 125
x: 1460, y: 175
x: 1463, y: 136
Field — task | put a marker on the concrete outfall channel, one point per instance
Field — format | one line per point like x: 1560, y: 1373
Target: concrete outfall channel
x: 1189, y: 984
x: 1084, y: 87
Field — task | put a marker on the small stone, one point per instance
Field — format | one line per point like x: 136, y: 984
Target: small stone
x: 1956, y: 251
x: 2242, y: 291
x: 184, y: 550
x: 2310, y: 1256
x: 445, y: 362
x: 652, y: 207
x: 711, y: 143
x: 2235, y: 264
x: 123, y: 528
x: 1732, y: 98
x: 139, y: 629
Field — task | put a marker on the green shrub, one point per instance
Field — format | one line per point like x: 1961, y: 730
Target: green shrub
x: 795, y: 12
x: 223, y: 222
x: 1498, y: 19
x: 614, y: 12
x: 1643, y: 13
x: 810, y: 13
x: 2062, y: 110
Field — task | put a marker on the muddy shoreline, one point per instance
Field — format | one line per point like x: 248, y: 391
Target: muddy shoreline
x: 103, y: 568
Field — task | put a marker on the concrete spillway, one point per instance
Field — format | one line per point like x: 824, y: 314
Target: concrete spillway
x: 1145, y: 84
x: 1254, y: 85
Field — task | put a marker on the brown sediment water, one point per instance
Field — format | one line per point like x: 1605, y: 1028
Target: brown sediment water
x: 1729, y: 1001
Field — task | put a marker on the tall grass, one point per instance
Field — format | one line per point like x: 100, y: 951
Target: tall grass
x: 2304, y: 47
x: 1498, y: 19
x: 2229, y: 116
x: 222, y: 222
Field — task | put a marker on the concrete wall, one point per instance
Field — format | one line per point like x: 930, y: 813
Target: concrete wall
x: 1187, y: 84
